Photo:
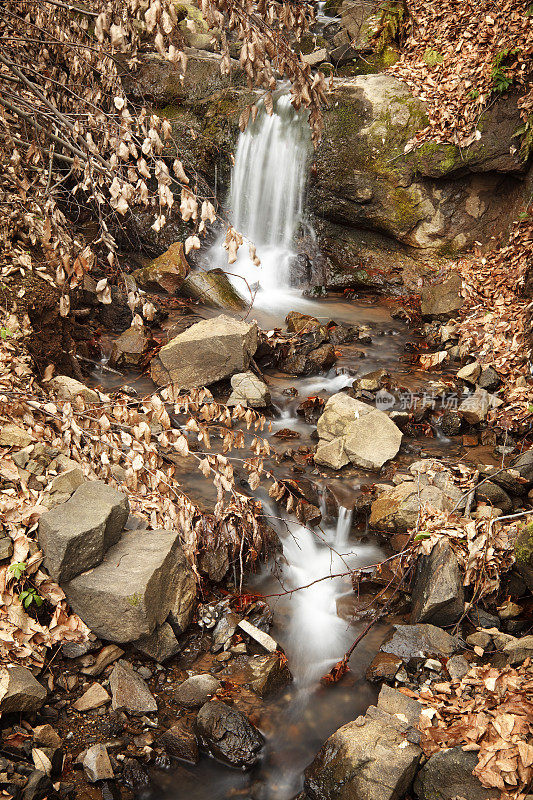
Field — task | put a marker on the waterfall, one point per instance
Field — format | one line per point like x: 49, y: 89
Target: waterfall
x: 266, y: 198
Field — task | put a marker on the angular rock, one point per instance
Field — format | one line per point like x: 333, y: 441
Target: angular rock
x: 130, y: 348
x: 96, y: 764
x: 14, y: 436
x: 475, y: 408
x: 384, y: 666
x: 129, y: 691
x: 46, y: 736
x: 301, y: 323
x: 442, y: 300
x: 371, y: 758
x: 397, y: 704
x: 206, y: 352
x: 438, y: 595
x: 448, y: 774
x: 159, y: 645
x: 259, y: 636
x: 248, y: 390
x: 39, y: 785
x: 457, y: 667
x: 180, y: 742
x: 75, y: 535
x: 67, y: 482
x: 6, y: 548
x: 494, y: 495
x: 470, y: 373
x: 213, y: 289
x: 196, y: 690
x: 94, y: 697
x: 520, y: 649
x: 19, y: 690
x: 355, y: 431
x: 489, y: 379
x: 524, y: 465
x: 182, y: 610
x: 229, y: 735
x: 420, y: 641
x: 132, y: 591
x: 67, y: 388
x: 269, y: 674
x: 166, y: 272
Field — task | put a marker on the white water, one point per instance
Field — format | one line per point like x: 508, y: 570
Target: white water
x: 266, y: 201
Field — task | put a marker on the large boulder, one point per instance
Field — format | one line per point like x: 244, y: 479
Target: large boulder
x: 448, y: 775
x: 19, y: 690
x: 352, y: 431
x: 132, y: 591
x: 167, y: 271
x: 374, y: 757
x: 438, y: 594
x: 229, y: 735
x: 442, y: 300
x: 206, y: 352
x: 369, y: 177
x: 75, y: 535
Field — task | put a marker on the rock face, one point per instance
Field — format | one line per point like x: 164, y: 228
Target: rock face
x: 206, y: 352
x: 374, y: 757
x: 448, y: 774
x: 132, y: 591
x: 352, y: 431
x: 19, y: 691
x: 248, y: 390
x: 366, y: 180
x: 76, y: 535
x: 438, y: 595
x: 228, y: 735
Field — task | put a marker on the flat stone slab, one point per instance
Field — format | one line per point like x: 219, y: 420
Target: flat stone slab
x: 75, y: 535
x: 132, y: 591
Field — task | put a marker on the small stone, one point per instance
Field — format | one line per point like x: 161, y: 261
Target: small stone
x: 94, y: 697
x: 19, y: 691
x: 46, y: 736
x: 229, y: 735
x: 519, y: 649
x: 479, y: 639
x: 6, y: 548
x: 470, y: 373
x: 197, y: 690
x: 509, y: 610
x: 489, y: 379
x: 38, y: 786
x: 248, y: 390
x: 457, y: 667
x: 105, y: 657
x: 14, y: 436
x: 96, y: 764
x: 129, y: 691
x: 161, y: 645
x: 475, y: 408
x: 383, y: 667
x: 68, y: 388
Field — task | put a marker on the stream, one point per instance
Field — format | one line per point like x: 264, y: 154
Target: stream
x: 316, y: 625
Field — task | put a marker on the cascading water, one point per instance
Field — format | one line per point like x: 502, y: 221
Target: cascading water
x: 266, y: 200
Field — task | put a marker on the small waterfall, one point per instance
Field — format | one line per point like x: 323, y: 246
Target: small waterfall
x: 266, y: 198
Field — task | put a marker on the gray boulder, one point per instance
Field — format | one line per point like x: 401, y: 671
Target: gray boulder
x: 75, y: 535
x: 352, y: 431
x: 132, y: 591
x: 206, y: 352
x: 442, y: 300
x: 374, y: 757
x: 494, y: 495
x: 248, y: 390
x: 196, y: 690
x: 129, y: 691
x: 448, y: 774
x: 438, y: 595
x: 420, y: 641
x: 159, y: 645
x: 229, y: 735
x: 19, y: 691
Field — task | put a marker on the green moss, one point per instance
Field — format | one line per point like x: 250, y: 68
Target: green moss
x: 134, y: 600
x: 405, y: 203
x: 432, y: 57
x: 523, y: 549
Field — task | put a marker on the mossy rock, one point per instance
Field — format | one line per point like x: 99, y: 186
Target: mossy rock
x: 332, y: 8
x: 166, y: 272
x: 523, y: 551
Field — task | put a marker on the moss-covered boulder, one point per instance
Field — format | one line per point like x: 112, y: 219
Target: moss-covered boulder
x: 523, y: 551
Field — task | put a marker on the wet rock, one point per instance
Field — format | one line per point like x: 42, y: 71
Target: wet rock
x: 38, y: 786
x: 159, y: 645
x: 75, y: 535
x: 448, y: 774
x: 475, y: 408
x: 94, y: 697
x: 96, y: 764
x: 322, y: 358
x: 129, y: 691
x: 19, y: 690
x: 14, y: 436
x: 214, y: 563
x: 229, y: 735
x: 213, y: 289
x: 420, y: 641
x: 182, y: 610
x: 248, y: 390
x: 259, y: 636
x: 384, y: 666
x: 130, y: 348
x: 166, y: 272
x: 302, y: 323
x: 197, y: 690
x: 180, y: 742
x: 493, y: 494
x: 470, y: 373
x: 350, y: 430
x: 369, y: 758
x: 69, y: 388
x: 206, y: 352
x: 132, y: 591
x: 442, y: 300
x: 372, y: 381
x: 523, y: 550
x: 269, y: 673
x: 438, y: 595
